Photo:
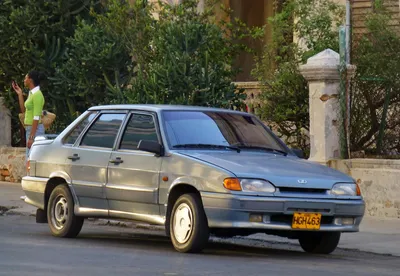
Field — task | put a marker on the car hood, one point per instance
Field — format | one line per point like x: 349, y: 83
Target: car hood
x: 282, y: 171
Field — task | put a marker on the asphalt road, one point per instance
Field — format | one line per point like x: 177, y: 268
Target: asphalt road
x: 27, y: 248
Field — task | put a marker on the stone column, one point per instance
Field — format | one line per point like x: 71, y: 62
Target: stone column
x: 322, y: 73
x: 5, y: 125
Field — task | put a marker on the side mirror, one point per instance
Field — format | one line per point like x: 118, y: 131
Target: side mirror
x: 299, y: 153
x: 151, y: 146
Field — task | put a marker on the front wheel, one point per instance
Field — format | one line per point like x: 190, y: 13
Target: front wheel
x: 60, y: 214
x: 188, y: 224
x: 319, y: 242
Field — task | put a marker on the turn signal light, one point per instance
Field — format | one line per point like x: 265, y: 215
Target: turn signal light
x: 358, y: 190
x: 232, y: 184
x: 256, y: 218
x: 28, y: 167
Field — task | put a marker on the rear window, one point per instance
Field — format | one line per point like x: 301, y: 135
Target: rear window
x: 71, y: 138
x: 103, y: 132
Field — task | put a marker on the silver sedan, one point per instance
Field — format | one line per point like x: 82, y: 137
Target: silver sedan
x: 198, y: 171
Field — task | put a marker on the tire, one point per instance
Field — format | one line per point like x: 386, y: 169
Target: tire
x: 320, y: 242
x: 60, y: 214
x: 191, y: 234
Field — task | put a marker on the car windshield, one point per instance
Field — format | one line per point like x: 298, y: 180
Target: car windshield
x: 217, y: 130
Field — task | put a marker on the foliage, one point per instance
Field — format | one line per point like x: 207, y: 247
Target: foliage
x: 95, y: 69
x: 377, y: 56
x: 191, y: 61
x: 29, y: 42
x: 301, y: 29
x: 181, y: 56
x: 113, y: 51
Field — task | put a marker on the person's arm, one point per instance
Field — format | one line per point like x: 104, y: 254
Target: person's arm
x: 33, y: 133
x: 21, y: 100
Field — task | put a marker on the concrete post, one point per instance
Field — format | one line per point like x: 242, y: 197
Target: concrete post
x: 322, y: 74
x: 5, y: 125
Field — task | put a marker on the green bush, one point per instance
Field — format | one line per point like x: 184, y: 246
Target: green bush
x: 31, y: 42
x: 191, y: 62
x: 116, y: 52
x: 377, y: 56
x: 183, y: 57
x: 95, y: 69
x: 300, y: 29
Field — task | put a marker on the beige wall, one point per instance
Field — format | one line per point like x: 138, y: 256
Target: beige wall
x: 5, y: 125
x: 379, y: 181
x: 12, y: 164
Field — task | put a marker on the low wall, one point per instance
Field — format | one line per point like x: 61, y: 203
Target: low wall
x: 379, y: 181
x: 12, y: 164
x: 5, y: 124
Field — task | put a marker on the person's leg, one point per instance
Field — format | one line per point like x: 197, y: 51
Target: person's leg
x: 27, y: 134
x: 40, y: 130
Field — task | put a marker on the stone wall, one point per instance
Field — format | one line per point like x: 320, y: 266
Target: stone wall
x: 5, y: 125
x: 379, y: 181
x: 12, y: 164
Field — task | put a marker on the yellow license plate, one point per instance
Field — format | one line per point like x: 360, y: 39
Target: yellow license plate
x: 310, y: 221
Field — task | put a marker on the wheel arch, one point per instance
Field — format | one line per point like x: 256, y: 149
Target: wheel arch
x: 55, y: 179
x: 175, y: 192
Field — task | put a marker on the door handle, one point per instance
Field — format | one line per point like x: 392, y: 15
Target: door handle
x: 117, y: 161
x: 74, y: 157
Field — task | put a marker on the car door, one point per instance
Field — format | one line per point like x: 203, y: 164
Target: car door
x: 88, y: 160
x: 133, y: 175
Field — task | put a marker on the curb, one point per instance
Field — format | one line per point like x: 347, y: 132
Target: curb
x: 127, y: 224
x: 14, y: 211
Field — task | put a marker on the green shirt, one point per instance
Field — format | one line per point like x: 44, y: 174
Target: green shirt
x: 33, y: 107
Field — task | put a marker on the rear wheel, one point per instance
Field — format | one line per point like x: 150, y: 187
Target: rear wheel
x: 188, y: 224
x: 319, y: 242
x: 60, y: 214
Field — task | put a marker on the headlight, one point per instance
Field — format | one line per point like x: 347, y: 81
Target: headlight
x: 249, y: 185
x: 346, y: 189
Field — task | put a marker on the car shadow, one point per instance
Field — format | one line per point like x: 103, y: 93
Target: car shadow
x: 156, y: 242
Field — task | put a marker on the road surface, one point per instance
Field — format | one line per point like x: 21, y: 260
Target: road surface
x: 27, y: 248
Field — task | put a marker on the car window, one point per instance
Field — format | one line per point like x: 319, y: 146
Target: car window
x: 103, y: 132
x: 140, y: 127
x: 216, y: 128
x: 72, y: 136
x: 193, y: 128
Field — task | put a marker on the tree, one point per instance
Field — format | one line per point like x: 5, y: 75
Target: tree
x: 376, y: 54
x: 301, y: 29
x: 95, y: 69
x: 183, y: 57
x: 29, y: 41
x: 113, y: 51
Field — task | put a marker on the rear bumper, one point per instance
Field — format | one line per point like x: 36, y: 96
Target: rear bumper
x: 34, y: 189
x: 233, y: 211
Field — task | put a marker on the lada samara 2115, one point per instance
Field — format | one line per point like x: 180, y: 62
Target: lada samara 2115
x: 198, y: 171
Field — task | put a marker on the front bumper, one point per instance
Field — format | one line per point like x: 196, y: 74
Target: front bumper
x: 233, y: 211
x: 34, y: 189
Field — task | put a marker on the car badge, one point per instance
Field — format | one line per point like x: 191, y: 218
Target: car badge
x: 302, y: 181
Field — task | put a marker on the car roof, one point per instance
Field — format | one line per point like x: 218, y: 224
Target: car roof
x: 158, y: 108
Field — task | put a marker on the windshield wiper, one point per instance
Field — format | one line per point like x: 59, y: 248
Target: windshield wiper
x: 242, y: 146
x: 211, y: 146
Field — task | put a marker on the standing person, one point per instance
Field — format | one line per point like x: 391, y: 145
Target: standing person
x: 32, y: 107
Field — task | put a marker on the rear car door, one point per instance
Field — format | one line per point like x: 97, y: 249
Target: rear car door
x: 133, y: 175
x: 89, y: 158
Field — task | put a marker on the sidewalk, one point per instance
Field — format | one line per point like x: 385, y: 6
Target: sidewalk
x: 10, y: 198
x: 381, y: 236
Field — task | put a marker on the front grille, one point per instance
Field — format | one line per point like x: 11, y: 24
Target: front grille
x: 302, y: 190
x: 287, y: 219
